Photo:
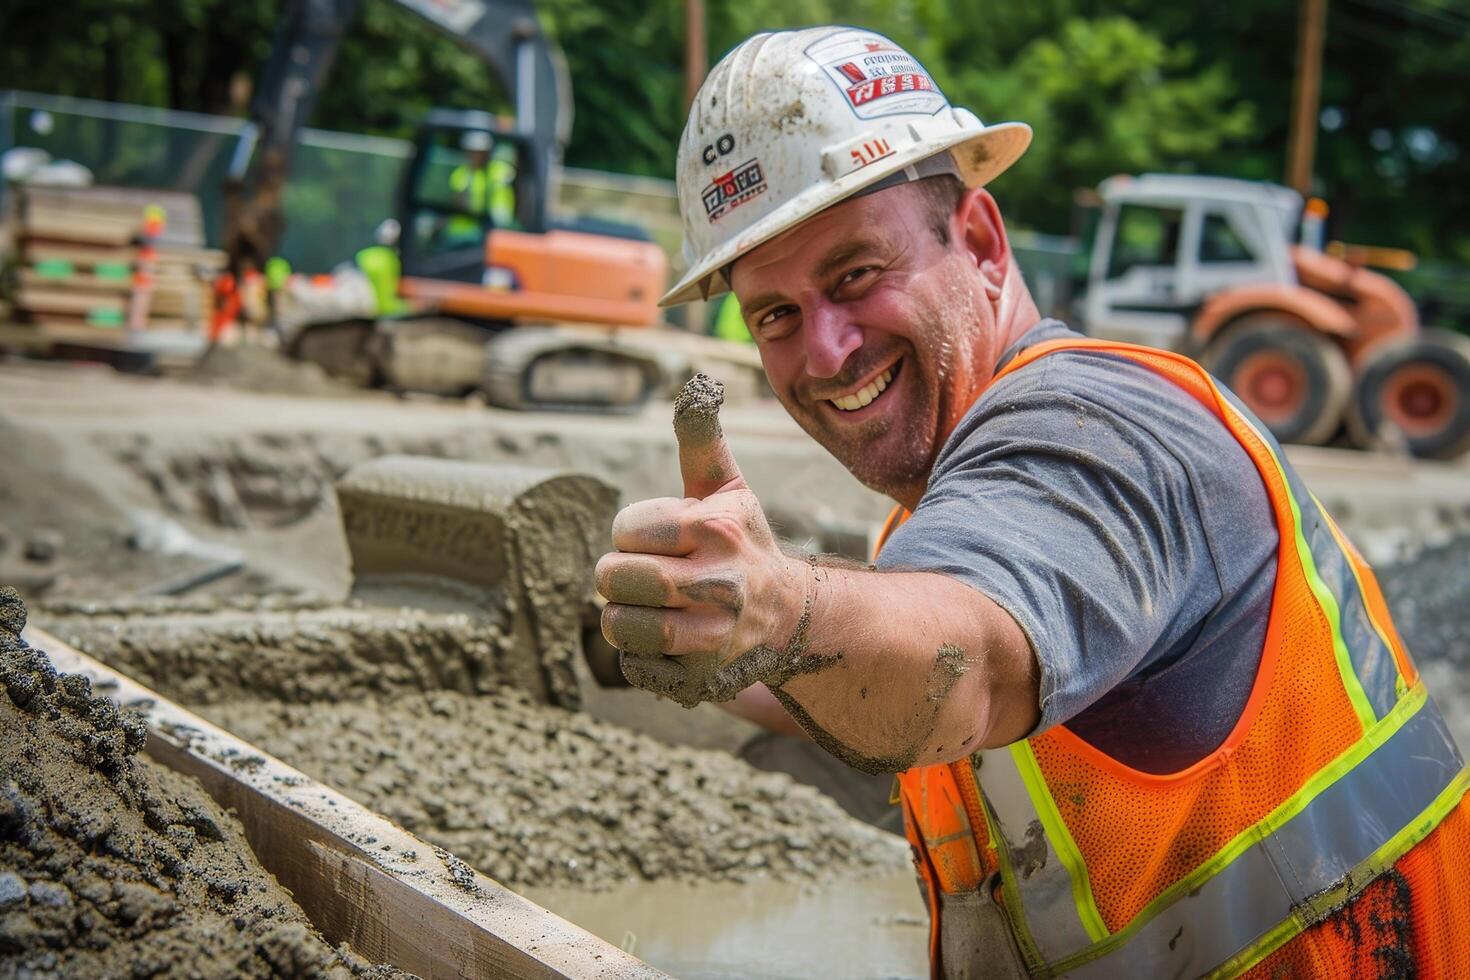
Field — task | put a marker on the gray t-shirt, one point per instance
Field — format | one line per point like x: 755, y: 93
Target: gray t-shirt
x: 1129, y: 535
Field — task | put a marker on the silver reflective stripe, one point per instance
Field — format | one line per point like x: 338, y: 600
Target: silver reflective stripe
x: 1043, y: 883
x: 1372, y: 660
x: 1337, y: 831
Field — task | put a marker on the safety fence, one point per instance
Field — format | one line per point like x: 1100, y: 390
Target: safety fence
x: 341, y: 185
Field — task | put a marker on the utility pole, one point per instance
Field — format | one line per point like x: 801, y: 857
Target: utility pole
x: 1306, y: 96
x: 696, y: 61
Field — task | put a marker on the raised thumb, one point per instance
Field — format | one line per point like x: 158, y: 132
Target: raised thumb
x: 704, y: 459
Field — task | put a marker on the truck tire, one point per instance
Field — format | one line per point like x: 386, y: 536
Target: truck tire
x: 1415, y: 394
x: 1294, y: 379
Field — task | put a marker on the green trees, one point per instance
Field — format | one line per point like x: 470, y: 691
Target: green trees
x: 1104, y: 96
x: 1126, y: 85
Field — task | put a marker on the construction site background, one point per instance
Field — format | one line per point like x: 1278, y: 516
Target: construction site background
x: 329, y: 540
x: 341, y: 185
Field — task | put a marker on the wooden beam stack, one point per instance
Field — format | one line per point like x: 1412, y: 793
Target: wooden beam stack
x: 79, y: 252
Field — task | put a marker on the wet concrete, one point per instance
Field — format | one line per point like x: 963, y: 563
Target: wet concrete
x: 400, y: 713
x: 116, y: 866
x: 534, y: 795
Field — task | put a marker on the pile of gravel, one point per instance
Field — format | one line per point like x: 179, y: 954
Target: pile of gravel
x: 1429, y: 596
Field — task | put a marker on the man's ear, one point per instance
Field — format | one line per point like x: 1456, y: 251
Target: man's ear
x: 984, y: 233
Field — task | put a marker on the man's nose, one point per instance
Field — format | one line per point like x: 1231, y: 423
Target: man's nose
x: 830, y: 337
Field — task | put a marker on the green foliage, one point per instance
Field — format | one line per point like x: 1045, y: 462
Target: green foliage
x: 1103, y: 96
x: 1117, y: 86
x: 392, y: 68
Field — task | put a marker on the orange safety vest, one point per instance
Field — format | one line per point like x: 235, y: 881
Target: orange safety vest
x: 1326, y: 837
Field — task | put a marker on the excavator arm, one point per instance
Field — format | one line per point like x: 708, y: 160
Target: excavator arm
x: 505, y: 34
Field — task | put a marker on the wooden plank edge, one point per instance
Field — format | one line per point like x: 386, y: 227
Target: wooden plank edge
x: 359, y: 877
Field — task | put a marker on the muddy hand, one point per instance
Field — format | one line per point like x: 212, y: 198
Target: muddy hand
x: 698, y: 581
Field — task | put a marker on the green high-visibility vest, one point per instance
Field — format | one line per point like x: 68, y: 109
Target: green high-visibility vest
x: 492, y: 185
x: 729, y: 324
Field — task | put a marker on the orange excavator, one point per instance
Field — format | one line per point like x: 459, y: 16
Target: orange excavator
x: 1311, y: 340
x: 485, y: 269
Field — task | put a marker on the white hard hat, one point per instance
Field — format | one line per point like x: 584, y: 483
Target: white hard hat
x: 790, y: 123
x: 475, y: 140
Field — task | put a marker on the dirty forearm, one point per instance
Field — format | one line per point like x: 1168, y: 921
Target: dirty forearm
x: 922, y: 669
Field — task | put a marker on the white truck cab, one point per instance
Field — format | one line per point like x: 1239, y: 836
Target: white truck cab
x: 1166, y: 242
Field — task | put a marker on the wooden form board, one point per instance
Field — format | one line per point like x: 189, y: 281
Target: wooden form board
x: 58, y: 299
x: 360, y: 878
x: 97, y: 229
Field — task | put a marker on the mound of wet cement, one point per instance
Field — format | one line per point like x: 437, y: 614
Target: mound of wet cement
x: 535, y: 795
x: 111, y: 865
x: 407, y: 715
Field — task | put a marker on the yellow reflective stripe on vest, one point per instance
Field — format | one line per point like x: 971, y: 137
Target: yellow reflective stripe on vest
x: 1059, y: 840
x: 1324, y: 903
x: 1343, y: 816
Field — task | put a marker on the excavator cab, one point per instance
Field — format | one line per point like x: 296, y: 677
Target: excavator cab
x: 466, y: 178
x: 477, y: 241
x: 477, y: 250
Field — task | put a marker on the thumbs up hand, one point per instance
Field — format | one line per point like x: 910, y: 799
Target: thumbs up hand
x: 702, y: 602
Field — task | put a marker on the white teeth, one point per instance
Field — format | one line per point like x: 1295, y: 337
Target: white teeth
x: 863, y: 397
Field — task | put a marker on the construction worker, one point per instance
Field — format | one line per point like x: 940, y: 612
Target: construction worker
x: 483, y: 184
x: 1147, y: 706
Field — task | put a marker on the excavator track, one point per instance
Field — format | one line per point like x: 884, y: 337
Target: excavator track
x: 543, y: 368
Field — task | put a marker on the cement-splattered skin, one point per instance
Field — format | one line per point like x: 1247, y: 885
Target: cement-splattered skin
x: 950, y: 663
x: 704, y: 620
x: 710, y: 589
x: 111, y: 865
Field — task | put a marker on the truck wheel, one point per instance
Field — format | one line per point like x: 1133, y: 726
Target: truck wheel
x: 1416, y: 394
x: 1294, y: 379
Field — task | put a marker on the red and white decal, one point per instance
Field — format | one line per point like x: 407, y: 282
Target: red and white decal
x: 876, y: 78
x: 736, y: 187
x: 870, y: 151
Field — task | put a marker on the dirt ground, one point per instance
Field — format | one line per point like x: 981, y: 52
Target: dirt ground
x: 182, y: 477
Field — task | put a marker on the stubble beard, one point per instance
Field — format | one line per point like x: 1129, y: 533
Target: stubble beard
x: 895, y: 456
x: 888, y: 455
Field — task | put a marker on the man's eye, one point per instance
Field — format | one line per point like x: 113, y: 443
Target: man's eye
x: 856, y: 274
x: 778, y: 324
x: 775, y: 315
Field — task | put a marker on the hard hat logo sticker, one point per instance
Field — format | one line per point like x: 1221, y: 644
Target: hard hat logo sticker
x: 720, y: 147
x: 876, y: 78
x: 730, y: 190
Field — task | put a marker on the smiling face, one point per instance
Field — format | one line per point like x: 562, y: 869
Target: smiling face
x: 875, y: 333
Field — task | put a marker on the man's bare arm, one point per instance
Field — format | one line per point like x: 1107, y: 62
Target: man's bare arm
x: 884, y: 669
x: 922, y: 669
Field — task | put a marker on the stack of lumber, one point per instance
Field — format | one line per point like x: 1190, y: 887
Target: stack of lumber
x: 79, y: 250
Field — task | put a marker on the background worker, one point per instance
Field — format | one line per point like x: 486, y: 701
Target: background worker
x: 1149, y: 710
x: 483, y: 185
